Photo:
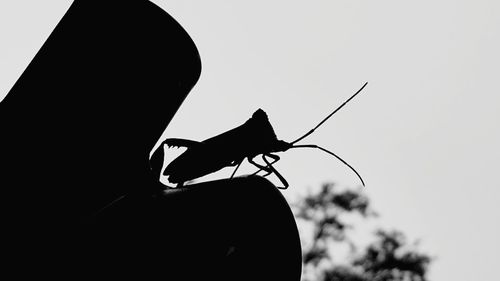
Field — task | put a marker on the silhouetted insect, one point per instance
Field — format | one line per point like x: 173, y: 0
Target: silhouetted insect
x: 255, y: 137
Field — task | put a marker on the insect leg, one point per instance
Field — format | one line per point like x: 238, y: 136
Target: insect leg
x: 266, y: 169
x: 181, y: 143
x: 157, y: 158
x: 156, y: 161
x: 270, y: 166
x: 276, y: 158
x: 268, y: 172
x: 236, y: 169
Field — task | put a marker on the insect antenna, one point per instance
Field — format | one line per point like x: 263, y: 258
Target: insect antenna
x: 330, y: 115
x: 331, y: 153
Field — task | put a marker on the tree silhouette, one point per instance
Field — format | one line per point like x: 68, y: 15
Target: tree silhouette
x: 389, y: 257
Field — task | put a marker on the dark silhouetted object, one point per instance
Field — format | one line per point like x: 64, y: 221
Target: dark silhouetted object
x: 76, y: 132
x: 255, y: 137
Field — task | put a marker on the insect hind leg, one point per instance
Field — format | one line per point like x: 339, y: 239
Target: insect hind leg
x: 173, y: 142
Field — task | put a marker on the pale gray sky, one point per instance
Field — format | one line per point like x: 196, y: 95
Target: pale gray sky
x: 423, y: 134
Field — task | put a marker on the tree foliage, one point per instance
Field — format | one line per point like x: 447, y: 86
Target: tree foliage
x: 389, y: 257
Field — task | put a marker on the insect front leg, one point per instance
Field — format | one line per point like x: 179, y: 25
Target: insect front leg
x: 270, y: 166
x: 276, y: 158
x: 266, y: 169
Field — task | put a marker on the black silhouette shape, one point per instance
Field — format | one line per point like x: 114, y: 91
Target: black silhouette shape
x: 255, y: 137
x: 76, y: 132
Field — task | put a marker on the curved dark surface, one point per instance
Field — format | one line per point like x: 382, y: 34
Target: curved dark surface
x: 238, y: 229
x: 93, y: 102
x: 76, y: 132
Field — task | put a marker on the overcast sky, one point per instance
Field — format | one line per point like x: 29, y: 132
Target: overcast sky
x: 424, y: 133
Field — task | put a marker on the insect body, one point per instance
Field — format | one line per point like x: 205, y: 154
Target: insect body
x: 253, y: 138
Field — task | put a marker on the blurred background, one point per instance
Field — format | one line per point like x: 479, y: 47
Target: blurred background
x: 423, y: 134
